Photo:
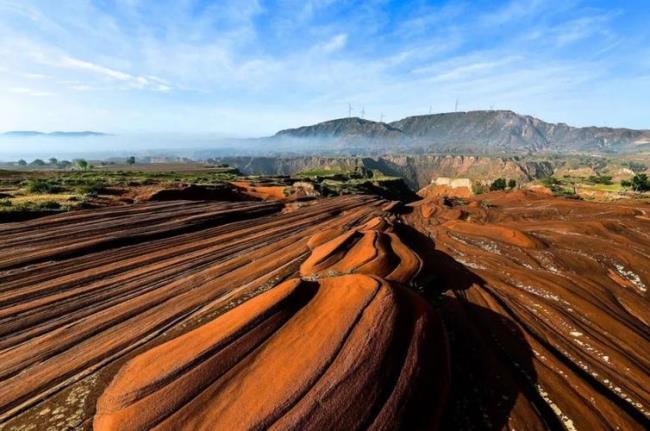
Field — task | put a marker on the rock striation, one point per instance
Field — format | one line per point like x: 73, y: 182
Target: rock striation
x: 328, y: 351
x: 506, y: 310
x: 551, y: 295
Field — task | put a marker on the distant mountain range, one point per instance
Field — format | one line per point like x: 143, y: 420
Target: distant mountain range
x: 479, y: 132
x: 32, y: 133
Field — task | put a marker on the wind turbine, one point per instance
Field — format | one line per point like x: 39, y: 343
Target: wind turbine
x: 456, y: 107
x: 349, y: 110
x: 363, y: 111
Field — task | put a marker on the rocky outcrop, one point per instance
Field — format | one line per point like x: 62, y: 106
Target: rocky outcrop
x: 373, y: 249
x: 448, y: 187
x: 417, y: 171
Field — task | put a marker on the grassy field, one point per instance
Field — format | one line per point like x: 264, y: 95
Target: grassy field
x: 55, y: 190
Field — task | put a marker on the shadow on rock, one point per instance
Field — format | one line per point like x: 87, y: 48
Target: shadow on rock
x: 492, y: 374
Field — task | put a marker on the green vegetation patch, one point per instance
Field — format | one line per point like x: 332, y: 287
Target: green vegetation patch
x: 324, y: 173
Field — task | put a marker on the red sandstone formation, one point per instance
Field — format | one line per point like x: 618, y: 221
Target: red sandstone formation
x: 558, y: 288
x: 373, y: 248
x: 345, y: 352
x: 510, y: 310
x: 79, y: 290
x: 436, y: 190
x: 349, y: 352
x: 262, y: 192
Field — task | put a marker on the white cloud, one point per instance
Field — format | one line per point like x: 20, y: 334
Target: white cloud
x: 336, y: 43
x: 81, y: 87
x: 30, y: 92
x: 514, y: 11
x: 134, y: 81
x: 303, y: 59
x: 35, y: 76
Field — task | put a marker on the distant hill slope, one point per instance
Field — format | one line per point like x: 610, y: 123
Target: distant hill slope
x: 481, y: 132
x: 344, y: 127
x: 32, y: 133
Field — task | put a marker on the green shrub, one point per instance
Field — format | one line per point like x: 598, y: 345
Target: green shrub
x: 92, y: 188
x: 478, y: 188
x: 550, y: 182
x: 636, y: 167
x: 567, y: 193
x: 5, y: 203
x: 600, y: 179
x: 640, y: 183
x: 48, y: 205
x: 498, y: 184
x: 43, y: 187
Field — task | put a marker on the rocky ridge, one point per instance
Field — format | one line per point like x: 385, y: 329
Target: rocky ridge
x: 478, y: 132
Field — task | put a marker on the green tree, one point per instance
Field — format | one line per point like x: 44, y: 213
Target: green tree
x: 600, y: 179
x: 81, y: 164
x: 636, y: 167
x: 512, y: 184
x: 21, y: 162
x: 626, y: 183
x: 38, y: 162
x: 53, y: 161
x: 130, y: 160
x: 640, y: 183
x: 498, y: 184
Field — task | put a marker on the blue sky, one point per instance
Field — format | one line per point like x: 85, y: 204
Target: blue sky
x: 249, y: 68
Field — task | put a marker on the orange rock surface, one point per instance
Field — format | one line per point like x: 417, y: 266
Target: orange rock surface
x: 551, y: 294
x: 374, y: 249
x: 81, y: 290
x: 517, y: 310
x: 263, y: 192
x: 349, y: 352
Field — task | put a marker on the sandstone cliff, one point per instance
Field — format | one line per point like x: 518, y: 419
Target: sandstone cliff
x: 417, y: 171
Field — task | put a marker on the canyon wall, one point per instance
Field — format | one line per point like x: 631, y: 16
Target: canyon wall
x: 417, y: 170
